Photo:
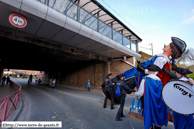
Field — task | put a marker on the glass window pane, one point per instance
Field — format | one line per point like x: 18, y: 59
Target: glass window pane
x: 42, y: 1
x: 57, y: 4
x: 65, y: 4
x: 117, y: 37
x: 126, y: 42
x: 71, y: 11
x: 133, y: 46
x: 51, y: 3
x: 88, y: 19
x: 105, y: 29
x: 66, y: 7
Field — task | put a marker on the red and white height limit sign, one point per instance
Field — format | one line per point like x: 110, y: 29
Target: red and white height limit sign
x: 17, y: 20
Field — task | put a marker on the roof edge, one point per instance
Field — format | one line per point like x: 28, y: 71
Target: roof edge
x: 108, y: 12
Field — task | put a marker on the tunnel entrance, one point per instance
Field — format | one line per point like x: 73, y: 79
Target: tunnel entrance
x: 65, y: 64
x: 22, y: 55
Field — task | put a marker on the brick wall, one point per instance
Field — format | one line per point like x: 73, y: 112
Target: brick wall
x: 117, y: 67
x: 98, y: 76
x: 73, y: 78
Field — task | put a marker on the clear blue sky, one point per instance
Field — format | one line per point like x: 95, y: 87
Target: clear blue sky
x: 156, y: 21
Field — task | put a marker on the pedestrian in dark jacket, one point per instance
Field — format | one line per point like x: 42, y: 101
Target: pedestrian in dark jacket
x: 108, y: 91
x: 3, y: 80
x: 123, y: 90
x: 8, y: 79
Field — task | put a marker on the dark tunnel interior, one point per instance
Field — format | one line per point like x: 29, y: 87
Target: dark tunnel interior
x: 21, y: 55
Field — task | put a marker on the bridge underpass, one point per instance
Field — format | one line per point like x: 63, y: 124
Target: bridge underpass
x: 23, y: 55
x: 53, y: 59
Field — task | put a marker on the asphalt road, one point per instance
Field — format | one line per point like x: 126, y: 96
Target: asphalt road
x: 75, y: 108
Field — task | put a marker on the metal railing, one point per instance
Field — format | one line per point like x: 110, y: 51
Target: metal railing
x: 9, y: 103
x: 78, y: 13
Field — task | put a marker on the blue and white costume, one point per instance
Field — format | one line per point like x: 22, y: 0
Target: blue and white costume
x: 155, y: 111
x: 160, y: 60
x: 182, y: 121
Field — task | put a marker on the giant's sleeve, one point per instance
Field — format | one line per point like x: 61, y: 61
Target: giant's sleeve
x: 140, y: 90
x: 160, y: 62
x: 172, y: 75
x: 127, y: 89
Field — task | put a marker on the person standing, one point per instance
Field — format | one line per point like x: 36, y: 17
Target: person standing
x: 50, y: 83
x: 53, y: 83
x: 89, y: 85
x: 3, y: 80
x: 8, y: 79
x: 36, y: 79
x: 39, y: 81
x: 123, y: 90
x: 182, y: 121
x: 30, y: 79
x: 155, y: 111
x: 108, y: 91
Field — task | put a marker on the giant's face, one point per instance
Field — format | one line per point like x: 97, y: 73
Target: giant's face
x: 168, y: 49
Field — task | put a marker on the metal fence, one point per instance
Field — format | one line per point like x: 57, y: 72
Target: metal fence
x: 9, y: 103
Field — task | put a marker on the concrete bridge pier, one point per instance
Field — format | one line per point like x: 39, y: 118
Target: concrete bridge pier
x: 1, y: 70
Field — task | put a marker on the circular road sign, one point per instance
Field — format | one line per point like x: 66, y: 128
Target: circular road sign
x: 17, y: 20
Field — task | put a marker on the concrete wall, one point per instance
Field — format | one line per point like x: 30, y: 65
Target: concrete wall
x: 1, y: 72
x: 96, y: 73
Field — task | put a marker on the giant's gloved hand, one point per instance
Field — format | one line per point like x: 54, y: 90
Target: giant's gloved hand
x: 130, y: 91
x: 138, y: 61
x: 133, y: 90
x: 139, y: 66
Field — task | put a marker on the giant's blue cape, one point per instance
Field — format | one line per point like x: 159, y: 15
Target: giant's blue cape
x: 155, y: 111
x: 134, y: 72
x: 182, y: 121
